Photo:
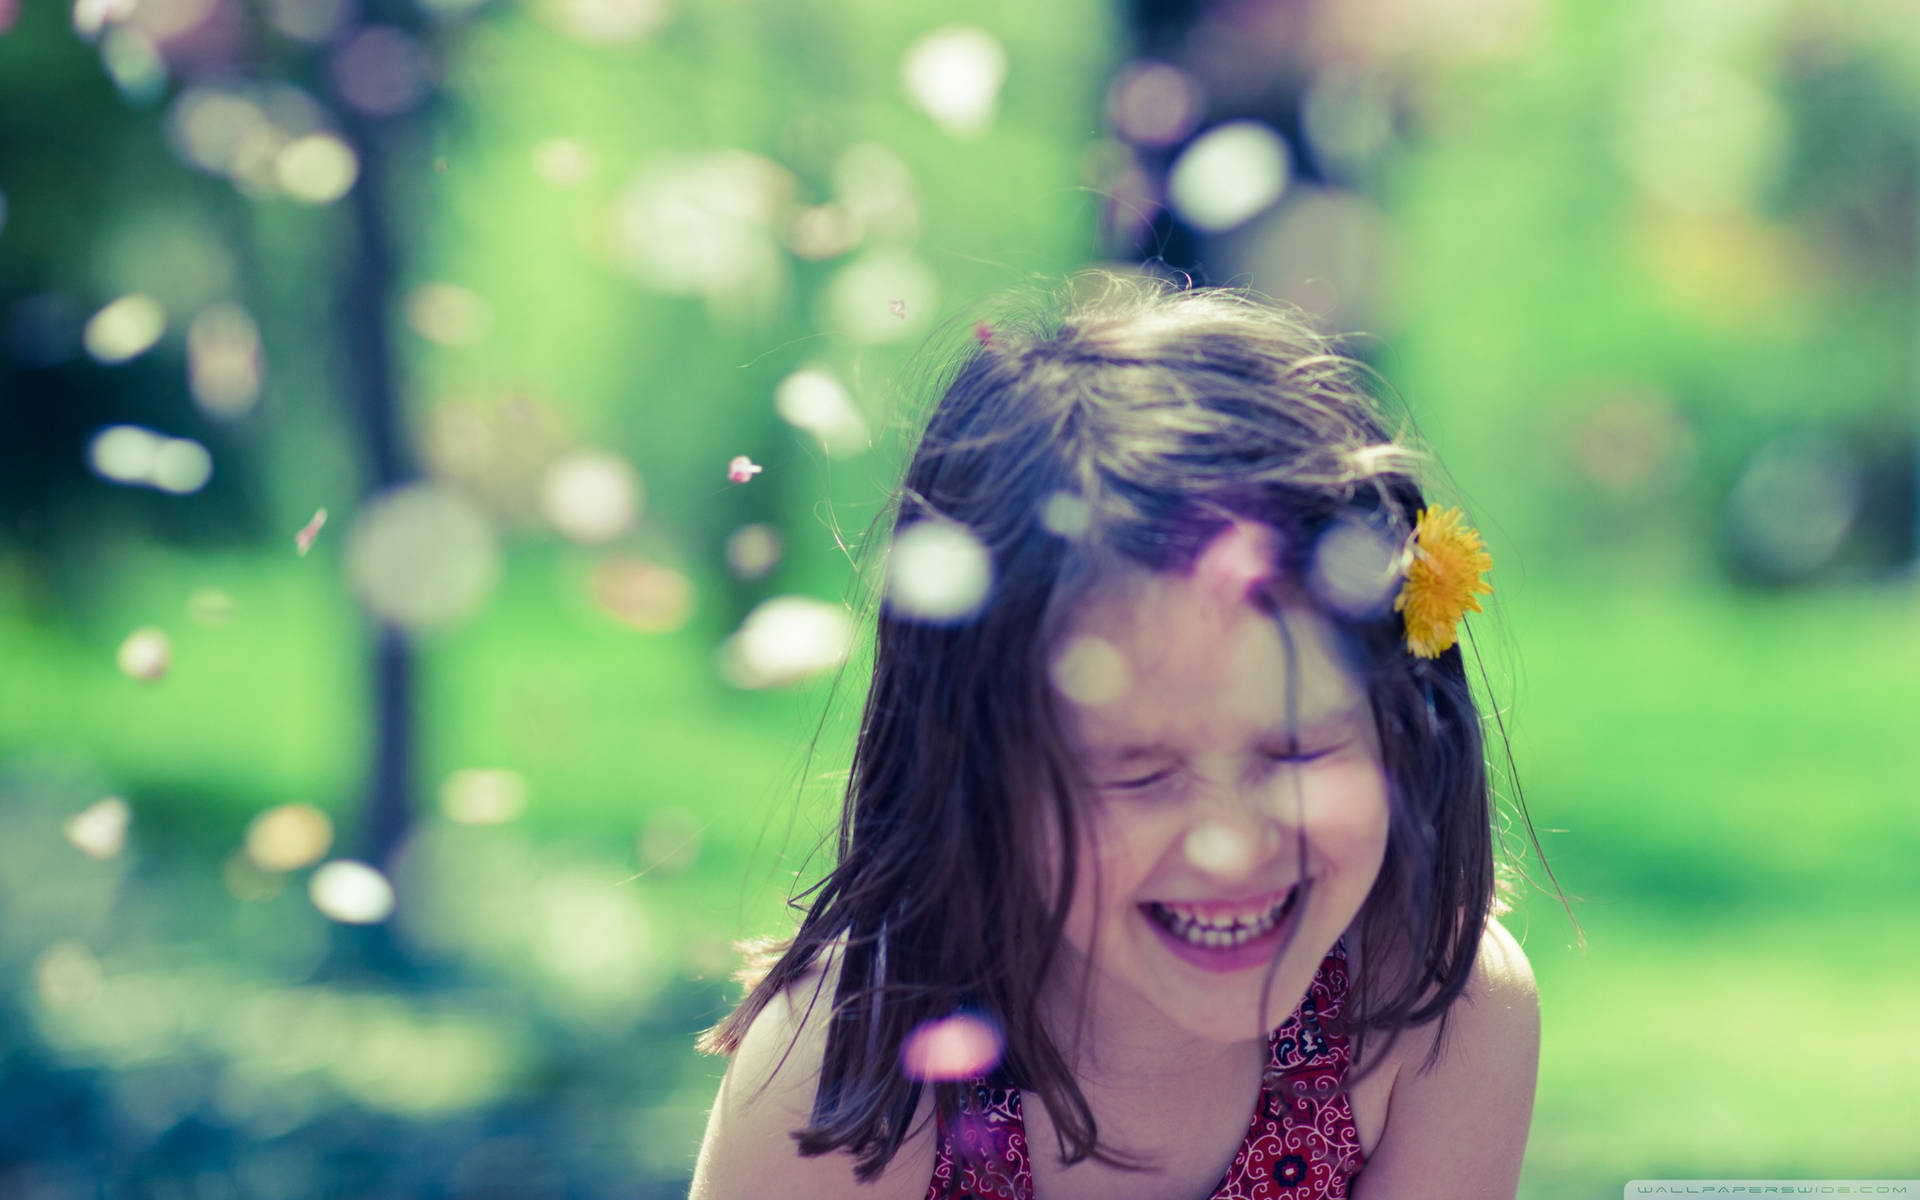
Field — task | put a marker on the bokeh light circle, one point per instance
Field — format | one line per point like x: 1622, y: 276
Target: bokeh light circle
x: 813, y: 399
x: 125, y: 329
x: 350, y: 892
x: 785, y: 640
x: 938, y: 572
x: 145, y: 654
x: 422, y: 556
x: 1356, y: 569
x: 591, y: 496
x: 954, y: 75
x: 1219, y: 850
x: 483, y: 795
x: 753, y: 551
x: 959, y: 1047
x: 100, y: 830
x: 288, y: 837
x: 1091, y: 671
x: 1228, y: 175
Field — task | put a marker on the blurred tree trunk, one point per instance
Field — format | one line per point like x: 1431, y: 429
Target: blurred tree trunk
x: 370, y: 274
x: 373, y: 401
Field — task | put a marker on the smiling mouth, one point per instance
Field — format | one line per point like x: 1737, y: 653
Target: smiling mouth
x: 1220, y: 931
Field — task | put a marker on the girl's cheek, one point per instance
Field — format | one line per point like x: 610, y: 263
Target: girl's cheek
x: 1105, y: 848
x: 1351, y: 806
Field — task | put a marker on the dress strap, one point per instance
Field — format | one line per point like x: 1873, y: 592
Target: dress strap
x: 1304, y: 1137
x: 983, y: 1154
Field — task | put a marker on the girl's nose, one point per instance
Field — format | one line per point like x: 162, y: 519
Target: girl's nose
x: 1231, y: 846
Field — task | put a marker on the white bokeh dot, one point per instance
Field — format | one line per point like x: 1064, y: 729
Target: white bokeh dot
x: 937, y: 572
x: 350, y: 892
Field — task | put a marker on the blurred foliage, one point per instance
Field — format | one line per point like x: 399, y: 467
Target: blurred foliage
x: 1645, y: 275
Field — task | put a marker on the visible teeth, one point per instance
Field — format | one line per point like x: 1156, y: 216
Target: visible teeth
x: 1217, y: 932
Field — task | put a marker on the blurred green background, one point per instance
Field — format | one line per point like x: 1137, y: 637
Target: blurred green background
x: 406, y: 861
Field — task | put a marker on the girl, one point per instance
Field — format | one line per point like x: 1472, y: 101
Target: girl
x: 1166, y: 869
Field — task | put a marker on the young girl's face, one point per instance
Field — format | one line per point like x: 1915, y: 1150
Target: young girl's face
x: 1214, y: 796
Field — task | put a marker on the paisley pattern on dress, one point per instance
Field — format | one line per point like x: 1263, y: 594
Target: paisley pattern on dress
x: 1302, y: 1143
x: 987, y: 1151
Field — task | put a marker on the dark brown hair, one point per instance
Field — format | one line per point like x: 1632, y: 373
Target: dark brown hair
x: 1128, y: 428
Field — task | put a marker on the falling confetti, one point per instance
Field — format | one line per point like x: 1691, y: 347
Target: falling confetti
x: 318, y: 168
x: 100, y: 830
x: 1355, y: 570
x: 1228, y: 175
x: 962, y: 1046
x: 753, y: 551
x: 643, y: 595
x: 814, y: 399
x: 449, y: 314
x: 822, y: 232
x: 483, y: 795
x: 1066, y: 515
x: 311, y: 21
x: 125, y: 329
x: 422, y: 556
x: 352, y: 893
x: 881, y: 296
x: 380, y: 71
x: 1218, y: 850
x: 563, y: 162
x: 67, y: 975
x: 1238, y: 559
x: 954, y: 75
x: 92, y: 16
x: 740, y: 468
x: 606, y: 21
x: 145, y: 654
x: 224, y: 361
x: 705, y: 224
x: 785, y: 640
x: 1091, y: 671
x: 1154, y: 104
x: 303, y: 541
x: 983, y: 333
x: 938, y: 571
x: 591, y: 495
x: 210, y: 606
x: 288, y: 837
x: 1794, y: 504
x: 131, y: 455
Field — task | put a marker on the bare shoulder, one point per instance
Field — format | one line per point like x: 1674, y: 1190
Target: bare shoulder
x: 1460, y: 1125
x: 768, y: 1093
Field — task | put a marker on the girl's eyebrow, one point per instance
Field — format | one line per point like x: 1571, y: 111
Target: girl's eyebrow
x: 1319, y: 723
x: 1122, y: 755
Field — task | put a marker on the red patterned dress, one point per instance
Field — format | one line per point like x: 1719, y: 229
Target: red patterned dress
x: 1302, y: 1143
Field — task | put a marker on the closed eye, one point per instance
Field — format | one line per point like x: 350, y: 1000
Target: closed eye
x: 1144, y: 781
x: 1294, y: 754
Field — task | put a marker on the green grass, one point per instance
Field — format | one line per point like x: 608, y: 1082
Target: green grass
x: 1734, y: 784
x: 1743, y: 1044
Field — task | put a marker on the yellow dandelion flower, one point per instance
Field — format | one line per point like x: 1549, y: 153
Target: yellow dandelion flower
x: 1442, y: 580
